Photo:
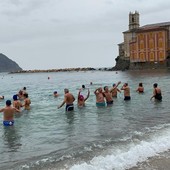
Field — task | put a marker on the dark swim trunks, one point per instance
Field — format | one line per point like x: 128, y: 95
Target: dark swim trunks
x: 69, y: 107
x: 110, y: 102
x: 158, y: 96
x: 8, y: 122
x: 127, y: 98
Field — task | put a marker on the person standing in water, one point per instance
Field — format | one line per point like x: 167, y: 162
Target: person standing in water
x: 81, y: 100
x: 27, y: 102
x: 8, y: 114
x: 114, y: 89
x: 140, y: 88
x: 126, y: 89
x: 108, y: 96
x: 16, y: 103
x: 100, y: 101
x: 68, y: 100
x: 156, y: 92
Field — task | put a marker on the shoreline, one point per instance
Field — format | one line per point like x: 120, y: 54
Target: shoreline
x: 87, y: 69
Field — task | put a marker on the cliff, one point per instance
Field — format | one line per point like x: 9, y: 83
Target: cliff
x: 7, y: 65
x: 121, y: 64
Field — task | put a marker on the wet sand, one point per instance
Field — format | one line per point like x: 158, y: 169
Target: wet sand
x: 161, y: 162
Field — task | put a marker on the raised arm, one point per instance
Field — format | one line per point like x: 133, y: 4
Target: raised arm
x: 78, y: 94
x: 95, y: 92
x: 88, y: 94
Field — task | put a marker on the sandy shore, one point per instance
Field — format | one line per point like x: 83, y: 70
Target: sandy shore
x: 161, y: 162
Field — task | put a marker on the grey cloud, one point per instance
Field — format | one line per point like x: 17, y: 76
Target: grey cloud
x: 18, y: 8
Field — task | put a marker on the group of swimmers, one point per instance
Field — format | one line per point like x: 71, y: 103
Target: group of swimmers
x: 103, y: 97
x: 20, y: 99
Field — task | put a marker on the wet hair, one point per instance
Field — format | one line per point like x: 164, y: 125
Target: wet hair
x: 105, y: 87
x: 155, y: 85
x: 8, y: 102
x: 83, y: 86
x: 15, y: 97
x: 114, y: 84
x: 21, y: 92
x: 55, y: 92
x: 24, y: 88
x: 140, y: 84
x: 66, y: 90
x: 26, y: 95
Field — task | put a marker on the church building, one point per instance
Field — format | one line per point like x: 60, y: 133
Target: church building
x: 145, y: 46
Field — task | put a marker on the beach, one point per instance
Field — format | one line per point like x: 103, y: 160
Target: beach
x: 128, y: 135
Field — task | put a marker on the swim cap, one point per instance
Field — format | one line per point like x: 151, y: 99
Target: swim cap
x: 15, y: 97
x: 81, y: 97
x: 8, y: 102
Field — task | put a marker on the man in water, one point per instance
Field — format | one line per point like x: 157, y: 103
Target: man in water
x: 27, y: 102
x: 16, y: 103
x: 55, y: 94
x: 108, y: 96
x: 156, y: 92
x: 140, y: 88
x: 126, y: 91
x: 68, y: 99
x: 114, y: 89
x: 8, y: 114
x: 100, y: 102
x: 81, y: 99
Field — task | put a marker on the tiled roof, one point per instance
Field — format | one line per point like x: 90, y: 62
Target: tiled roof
x: 149, y: 27
x: 162, y: 24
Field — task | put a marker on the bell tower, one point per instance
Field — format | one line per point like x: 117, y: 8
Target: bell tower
x: 133, y: 20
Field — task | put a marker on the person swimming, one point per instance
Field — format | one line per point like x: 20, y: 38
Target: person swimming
x: 2, y: 97
x: 55, y: 94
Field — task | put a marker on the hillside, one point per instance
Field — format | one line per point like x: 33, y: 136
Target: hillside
x: 7, y: 65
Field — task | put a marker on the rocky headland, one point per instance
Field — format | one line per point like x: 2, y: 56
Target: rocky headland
x: 7, y: 65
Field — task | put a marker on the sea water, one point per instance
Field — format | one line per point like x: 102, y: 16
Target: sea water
x: 90, y: 138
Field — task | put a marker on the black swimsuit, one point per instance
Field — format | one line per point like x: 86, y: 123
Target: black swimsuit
x: 158, y: 96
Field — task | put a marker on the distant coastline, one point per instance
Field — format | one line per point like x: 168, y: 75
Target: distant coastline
x: 62, y: 70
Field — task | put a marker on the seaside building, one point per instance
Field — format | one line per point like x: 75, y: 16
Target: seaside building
x: 145, y: 46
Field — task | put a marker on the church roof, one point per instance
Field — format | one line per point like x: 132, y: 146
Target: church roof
x: 149, y: 27
x: 162, y: 24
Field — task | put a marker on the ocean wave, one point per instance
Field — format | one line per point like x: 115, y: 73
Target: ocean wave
x: 129, y: 155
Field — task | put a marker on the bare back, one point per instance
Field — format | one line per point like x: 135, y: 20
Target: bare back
x: 8, y: 113
x: 69, y: 98
x: 17, y: 104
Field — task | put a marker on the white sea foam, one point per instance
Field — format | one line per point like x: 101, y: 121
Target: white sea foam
x: 130, y: 155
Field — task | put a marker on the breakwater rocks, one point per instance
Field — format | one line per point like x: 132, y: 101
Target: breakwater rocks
x: 55, y: 70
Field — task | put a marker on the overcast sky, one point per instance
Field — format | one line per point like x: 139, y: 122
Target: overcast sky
x: 47, y: 34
